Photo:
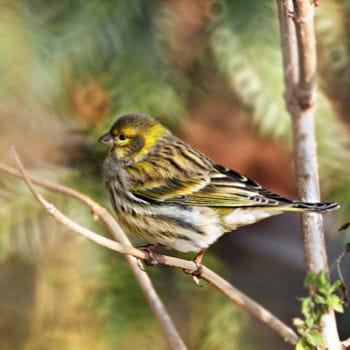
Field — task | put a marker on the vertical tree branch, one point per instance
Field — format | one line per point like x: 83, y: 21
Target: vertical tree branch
x: 306, y: 43
x: 299, y: 60
x: 289, y: 48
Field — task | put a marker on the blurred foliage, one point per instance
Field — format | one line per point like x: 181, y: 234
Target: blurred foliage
x: 66, y: 69
x: 247, y: 50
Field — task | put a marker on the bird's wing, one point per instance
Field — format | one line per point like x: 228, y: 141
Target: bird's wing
x: 171, y: 190
x: 220, y: 188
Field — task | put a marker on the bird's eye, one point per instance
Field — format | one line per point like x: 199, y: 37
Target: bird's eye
x: 122, y: 137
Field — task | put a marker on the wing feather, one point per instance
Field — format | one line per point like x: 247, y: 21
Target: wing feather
x: 220, y: 188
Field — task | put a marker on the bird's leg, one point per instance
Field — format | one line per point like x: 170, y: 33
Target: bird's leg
x: 149, y: 248
x: 198, y: 262
x: 196, y: 274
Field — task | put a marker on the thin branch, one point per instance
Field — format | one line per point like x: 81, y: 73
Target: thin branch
x: 299, y: 56
x: 211, y: 277
x: 306, y: 40
x: 289, y: 49
x: 146, y: 285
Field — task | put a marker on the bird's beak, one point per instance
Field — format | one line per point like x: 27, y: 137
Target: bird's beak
x: 106, y: 139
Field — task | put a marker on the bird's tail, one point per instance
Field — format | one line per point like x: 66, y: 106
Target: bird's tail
x: 313, y: 207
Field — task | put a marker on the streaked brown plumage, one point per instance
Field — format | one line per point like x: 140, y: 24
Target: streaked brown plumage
x: 170, y: 194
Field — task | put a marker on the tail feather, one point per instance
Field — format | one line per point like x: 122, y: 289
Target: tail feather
x: 315, y: 207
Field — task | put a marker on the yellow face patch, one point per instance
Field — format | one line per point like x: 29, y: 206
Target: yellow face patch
x: 135, y: 141
x: 151, y: 136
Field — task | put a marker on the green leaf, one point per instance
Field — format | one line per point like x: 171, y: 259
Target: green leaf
x: 335, y: 303
x: 323, y: 291
x: 314, y: 338
x: 309, y: 279
x: 322, y: 280
x: 319, y: 299
x: 302, y: 344
x: 309, y: 322
x: 306, y: 306
x: 335, y: 286
x: 301, y: 330
x: 339, y: 308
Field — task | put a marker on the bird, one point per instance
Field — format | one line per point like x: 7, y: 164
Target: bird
x: 173, y: 196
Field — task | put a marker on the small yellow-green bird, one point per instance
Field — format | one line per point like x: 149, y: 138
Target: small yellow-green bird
x: 172, y: 195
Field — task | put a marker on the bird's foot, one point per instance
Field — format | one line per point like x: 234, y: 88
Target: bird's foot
x: 196, y: 274
x: 149, y: 248
x: 198, y: 262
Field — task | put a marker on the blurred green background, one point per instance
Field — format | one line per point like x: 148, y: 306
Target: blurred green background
x: 211, y: 71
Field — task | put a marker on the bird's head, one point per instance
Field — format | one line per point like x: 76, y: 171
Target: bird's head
x: 132, y: 136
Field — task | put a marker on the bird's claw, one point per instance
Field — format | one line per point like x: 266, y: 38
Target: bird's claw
x: 197, y: 273
x: 196, y: 281
x: 152, y: 261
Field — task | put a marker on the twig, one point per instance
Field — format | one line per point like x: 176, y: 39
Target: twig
x: 306, y: 41
x: 299, y: 60
x: 151, y: 295
x: 289, y: 49
x: 343, y: 288
x: 211, y: 277
x: 115, y: 230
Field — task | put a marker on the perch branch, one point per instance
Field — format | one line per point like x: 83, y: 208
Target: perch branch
x: 145, y: 283
x: 299, y: 60
x: 211, y: 277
